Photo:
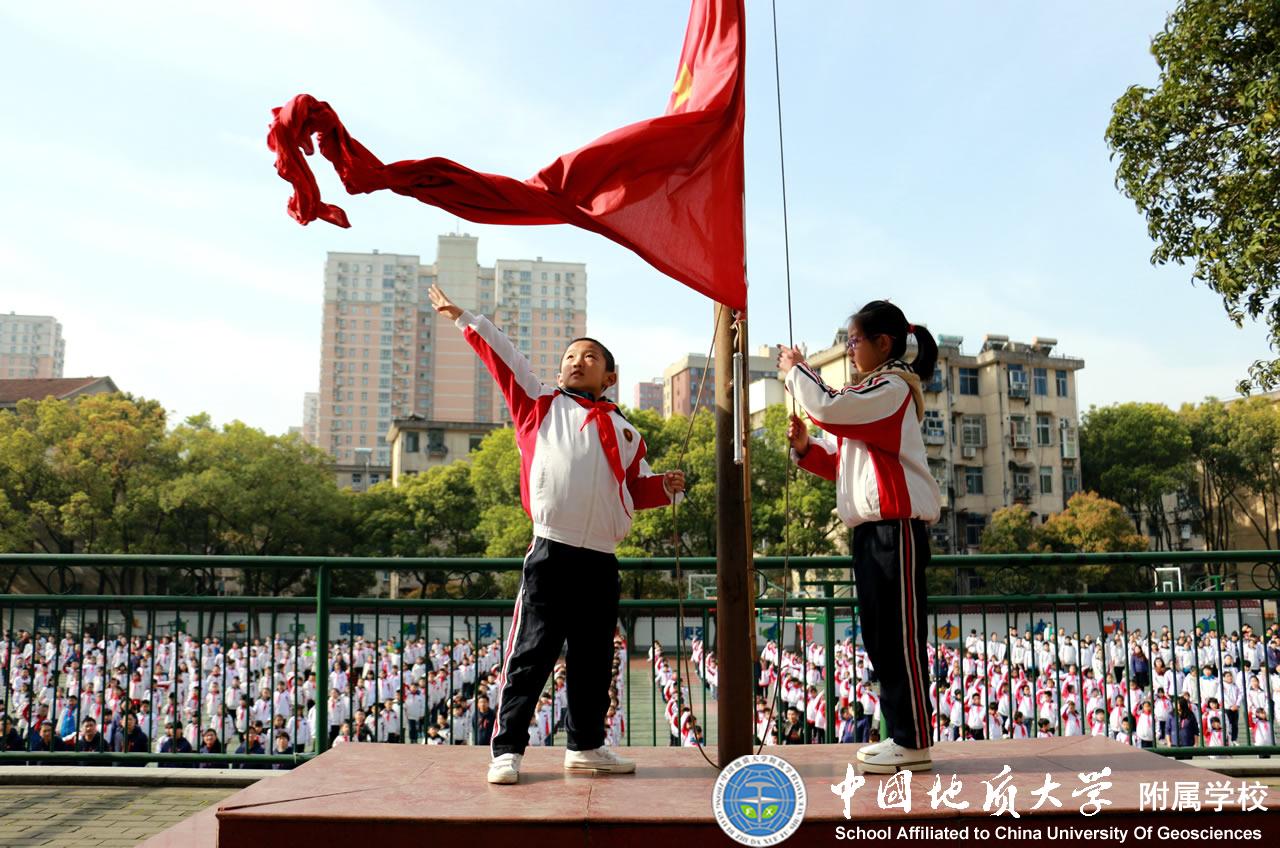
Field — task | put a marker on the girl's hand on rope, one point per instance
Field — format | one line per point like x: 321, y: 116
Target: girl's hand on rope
x: 673, y: 481
x: 788, y: 358
x: 798, y: 435
x: 442, y: 304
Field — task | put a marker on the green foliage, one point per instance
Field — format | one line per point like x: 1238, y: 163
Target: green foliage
x: 506, y: 530
x: 1135, y: 454
x: 502, y: 525
x: 1237, y: 453
x: 813, y: 522
x: 1010, y: 532
x: 812, y: 499
x: 1089, y: 524
x: 102, y: 474
x: 1198, y: 153
x: 653, y: 531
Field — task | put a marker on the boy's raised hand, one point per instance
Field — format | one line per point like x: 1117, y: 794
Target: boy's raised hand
x: 442, y: 304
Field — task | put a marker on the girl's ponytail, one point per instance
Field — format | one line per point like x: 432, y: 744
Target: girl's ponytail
x: 880, y: 317
x: 926, y: 353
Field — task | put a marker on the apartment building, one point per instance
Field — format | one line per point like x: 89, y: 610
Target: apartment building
x: 418, y: 444
x: 386, y: 354
x: 648, y: 395
x: 682, y: 378
x: 310, y: 429
x: 31, y: 347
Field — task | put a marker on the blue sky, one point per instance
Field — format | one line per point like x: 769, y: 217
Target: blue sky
x: 949, y: 156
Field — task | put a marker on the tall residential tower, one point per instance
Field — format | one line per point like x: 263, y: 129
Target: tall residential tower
x: 386, y: 355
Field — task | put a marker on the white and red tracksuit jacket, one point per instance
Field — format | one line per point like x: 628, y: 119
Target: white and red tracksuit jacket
x: 878, y: 458
x: 582, y: 465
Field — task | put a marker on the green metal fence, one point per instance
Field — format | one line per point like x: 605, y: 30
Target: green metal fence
x: 821, y: 608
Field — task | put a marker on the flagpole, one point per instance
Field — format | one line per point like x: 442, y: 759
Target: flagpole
x: 734, y: 591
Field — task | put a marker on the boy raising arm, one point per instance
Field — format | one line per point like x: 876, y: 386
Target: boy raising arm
x: 582, y: 475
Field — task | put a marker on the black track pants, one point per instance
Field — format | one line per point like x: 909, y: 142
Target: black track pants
x: 889, y: 559
x: 567, y: 594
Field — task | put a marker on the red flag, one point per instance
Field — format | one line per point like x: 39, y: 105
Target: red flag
x: 669, y: 188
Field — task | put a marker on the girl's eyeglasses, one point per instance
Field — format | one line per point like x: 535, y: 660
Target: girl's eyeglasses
x: 854, y: 341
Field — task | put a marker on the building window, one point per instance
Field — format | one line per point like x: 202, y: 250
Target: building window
x: 1044, y: 429
x: 473, y: 442
x: 1046, y: 479
x: 1070, y: 484
x: 973, y: 480
x: 435, y: 442
x: 1041, y: 381
x: 1020, y: 430
x: 1022, y: 484
x: 410, y: 442
x: 933, y: 430
x: 1017, y: 381
x: 973, y: 530
x: 968, y: 381
x: 1062, y: 383
x: 938, y: 468
x: 973, y: 431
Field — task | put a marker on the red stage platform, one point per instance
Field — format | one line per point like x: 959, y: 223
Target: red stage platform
x: 382, y: 796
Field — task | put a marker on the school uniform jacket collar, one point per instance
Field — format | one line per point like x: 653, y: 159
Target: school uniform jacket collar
x: 901, y: 369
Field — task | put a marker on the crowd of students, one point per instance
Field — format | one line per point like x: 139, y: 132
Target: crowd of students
x: 1146, y: 690
x: 147, y: 694
x: 179, y: 695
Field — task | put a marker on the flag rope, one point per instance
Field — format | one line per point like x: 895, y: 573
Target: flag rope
x: 677, y: 541
x: 791, y: 342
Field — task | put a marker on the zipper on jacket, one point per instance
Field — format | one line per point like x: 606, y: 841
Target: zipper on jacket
x: 595, y: 476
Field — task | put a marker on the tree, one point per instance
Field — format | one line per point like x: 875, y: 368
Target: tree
x: 33, y: 490
x: 84, y: 476
x: 1198, y: 153
x: 654, y: 531
x: 1256, y: 443
x: 1094, y: 525
x: 261, y: 495
x: 1220, y: 472
x: 812, y: 523
x: 445, y: 514
x: 1135, y: 454
x: 1237, y: 451
x: 502, y: 525
x: 1089, y: 524
x: 1010, y: 532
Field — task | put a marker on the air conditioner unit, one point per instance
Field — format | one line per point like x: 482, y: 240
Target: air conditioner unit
x: 968, y: 452
x: 1021, y: 441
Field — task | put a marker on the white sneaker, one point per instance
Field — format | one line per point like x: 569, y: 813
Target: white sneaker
x: 893, y: 758
x: 601, y: 760
x: 505, y: 768
x: 874, y: 748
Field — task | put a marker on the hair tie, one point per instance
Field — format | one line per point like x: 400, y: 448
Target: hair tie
x: 911, y: 328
